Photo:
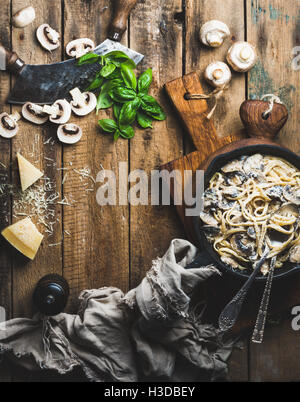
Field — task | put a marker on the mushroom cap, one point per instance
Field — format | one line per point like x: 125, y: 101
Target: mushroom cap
x: 217, y: 74
x: 8, y: 126
x: 34, y: 113
x: 213, y: 33
x: 242, y: 56
x: 64, y: 112
x: 69, y: 133
x: 79, y: 47
x: 48, y: 37
x: 88, y: 106
x: 24, y: 17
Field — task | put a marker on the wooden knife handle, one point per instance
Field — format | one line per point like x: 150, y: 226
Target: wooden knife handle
x: 10, y: 61
x: 122, y: 9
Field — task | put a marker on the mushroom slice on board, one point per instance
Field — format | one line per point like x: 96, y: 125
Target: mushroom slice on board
x: 83, y: 103
x: 69, y: 133
x: 34, y: 113
x: 24, y: 17
x: 79, y: 47
x: 48, y: 37
x: 9, y: 124
x: 60, y: 111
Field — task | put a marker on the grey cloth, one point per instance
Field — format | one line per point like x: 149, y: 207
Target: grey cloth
x: 152, y: 332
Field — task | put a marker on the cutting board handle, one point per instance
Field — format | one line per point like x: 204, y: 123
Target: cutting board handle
x: 261, y: 120
x: 122, y: 9
x: 10, y: 61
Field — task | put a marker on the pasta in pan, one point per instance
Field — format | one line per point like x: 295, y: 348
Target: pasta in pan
x: 239, y: 216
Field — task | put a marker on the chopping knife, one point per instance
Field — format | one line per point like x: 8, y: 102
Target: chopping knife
x: 44, y: 84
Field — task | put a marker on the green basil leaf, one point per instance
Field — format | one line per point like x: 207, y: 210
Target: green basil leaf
x: 128, y: 113
x: 108, y: 125
x: 121, y: 94
x: 129, y: 63
x: 116, y: 74
x: 107, y: 70
x: 152, y: 107
x: 128, y: 76
x: 127, y: 132
x: 144, y: 81
x: 144, y: 120
x: 95, y: 84
x: 117, y: 109
x: 88, y: 58
x: 116, y: 55
x: 104, y: 101
x: 117, y: 134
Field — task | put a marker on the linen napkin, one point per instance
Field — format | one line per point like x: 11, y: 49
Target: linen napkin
x: 154, y: 332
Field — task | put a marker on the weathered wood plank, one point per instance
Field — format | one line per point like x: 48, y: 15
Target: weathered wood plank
x: 226, y: 117
x: 274, y: 27
x: 5, y: 175
x: 154, y: 33
x: 198, y: 56
x: 30, y: 143
x: 96, y: 252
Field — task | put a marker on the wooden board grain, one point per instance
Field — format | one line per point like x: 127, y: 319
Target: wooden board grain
x: 154, y: 33
x: 96, y: 253
x: 5, y: 177
x: 30, y: 143
x: 274, y: 27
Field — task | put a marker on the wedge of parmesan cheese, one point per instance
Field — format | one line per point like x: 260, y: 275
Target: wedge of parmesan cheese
x: 29, y: 174
x: 24, y: 236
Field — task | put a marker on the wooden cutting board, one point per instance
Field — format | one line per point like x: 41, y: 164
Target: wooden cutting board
x: 219, y: 291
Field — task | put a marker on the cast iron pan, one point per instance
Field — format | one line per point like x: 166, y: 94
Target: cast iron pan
x: 207, y: 254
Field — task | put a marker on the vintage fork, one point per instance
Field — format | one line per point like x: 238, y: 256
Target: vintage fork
x: 258, y: 332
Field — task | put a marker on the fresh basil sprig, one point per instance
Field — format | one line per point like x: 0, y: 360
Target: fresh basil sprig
x: 117, y: 85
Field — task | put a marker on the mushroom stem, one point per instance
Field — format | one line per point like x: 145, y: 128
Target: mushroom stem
x: 78, y: 97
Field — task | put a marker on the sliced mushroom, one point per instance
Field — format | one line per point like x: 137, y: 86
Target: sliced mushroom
x: 60, y: 111
x: 274, y: 192
x: 251, y: 232
x: 231, y: 192
x: 34, y: 113
x: 24, y: 17
x: 210, y: 230
x: 217, y: 74
x: 69, y: 133
x: 241, y: 243
x: 213, y: 33
x: 48, y: 37
x: 292, y: 194
x: 229, y: 261
x: 79, y: 47
x: 82, y: 103
x: 294, y: 254
x: 208, y: 219
x: 253, y: 166
x: 241, y: 56
x: 233, y: 166
x: 8, y: 124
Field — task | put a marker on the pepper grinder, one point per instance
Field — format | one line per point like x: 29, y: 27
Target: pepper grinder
x: 51, y: 294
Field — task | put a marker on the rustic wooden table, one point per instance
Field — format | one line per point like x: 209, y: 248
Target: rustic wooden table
x: 98, y: 246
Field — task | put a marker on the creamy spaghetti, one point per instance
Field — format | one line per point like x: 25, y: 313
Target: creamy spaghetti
x: 242, y: 211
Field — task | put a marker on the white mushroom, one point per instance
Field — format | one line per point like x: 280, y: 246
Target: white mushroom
x: 79, y: 47
x: 48, y: 37
x: 294, y: 254
x: 34, y: 113
x: 24, y: 17
x: 60, y: 111
x: 217, y: 74
x: 213, y: 33
x: 8, y: 124
x: 83, y: 103
x: 69, y: 133
x: 241, y: 56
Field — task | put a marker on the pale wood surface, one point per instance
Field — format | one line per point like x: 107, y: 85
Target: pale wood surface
x: 115, y: 245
